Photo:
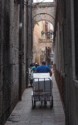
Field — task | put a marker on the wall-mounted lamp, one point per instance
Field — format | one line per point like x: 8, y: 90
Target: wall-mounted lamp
x: 20, y: 25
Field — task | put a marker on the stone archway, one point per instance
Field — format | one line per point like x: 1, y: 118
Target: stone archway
x: 43, y: 11
x: 44, y: 16
x: 41, y: 41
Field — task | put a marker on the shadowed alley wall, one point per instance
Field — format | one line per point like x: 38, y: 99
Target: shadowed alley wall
x: 66, y: 56
x: 10, y: 52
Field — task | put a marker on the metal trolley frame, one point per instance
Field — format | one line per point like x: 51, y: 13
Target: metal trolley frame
x: 42, y: 90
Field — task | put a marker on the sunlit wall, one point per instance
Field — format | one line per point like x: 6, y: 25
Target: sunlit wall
x: 40, y: 42
x: 36, y: 1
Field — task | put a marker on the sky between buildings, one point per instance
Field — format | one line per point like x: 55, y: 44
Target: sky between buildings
x: 36, y: 1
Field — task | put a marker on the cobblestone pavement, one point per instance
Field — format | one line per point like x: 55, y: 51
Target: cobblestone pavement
x: 23, y: 114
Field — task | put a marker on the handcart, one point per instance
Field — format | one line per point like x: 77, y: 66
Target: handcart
x: 42, y: 89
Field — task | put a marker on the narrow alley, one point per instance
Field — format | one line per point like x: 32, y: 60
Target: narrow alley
x: 32, y: 32
x: 23, y: 114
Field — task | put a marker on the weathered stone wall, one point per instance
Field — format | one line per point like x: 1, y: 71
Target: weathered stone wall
x: 12, y: 56
x: 40, y: 43
x: 43, y: 11
x: 22, y: 49
x: 59, y: 50
x: 28, y: 37
x: 74, y: 78
x: 29, y: 32
x: 65, y: 40
x: 1, y: 60
x: 9, y: 63
x: 25, y: 41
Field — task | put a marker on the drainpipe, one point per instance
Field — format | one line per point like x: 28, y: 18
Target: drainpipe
x: 27, y: 56
x: 31, y: 33
x: 27, y: 45
x: 20, y: 51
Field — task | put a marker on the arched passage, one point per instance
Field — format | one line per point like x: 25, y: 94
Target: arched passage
x: 42, y: 41
x: 43, y: 11
x: 43, y: 16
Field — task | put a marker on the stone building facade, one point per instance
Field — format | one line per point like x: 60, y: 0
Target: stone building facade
x: 16, y: 29
x: 29, y: 36
x: 40, y: 42
x: 13, y: 54
x: 66, y: 56
x: 43, y: 11
x: 9, y: 53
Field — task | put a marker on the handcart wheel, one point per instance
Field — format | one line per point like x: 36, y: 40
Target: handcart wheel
x: 51, y: 103
x: 33, y: 103
x: 45, y: 103
x: 41, y: 103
